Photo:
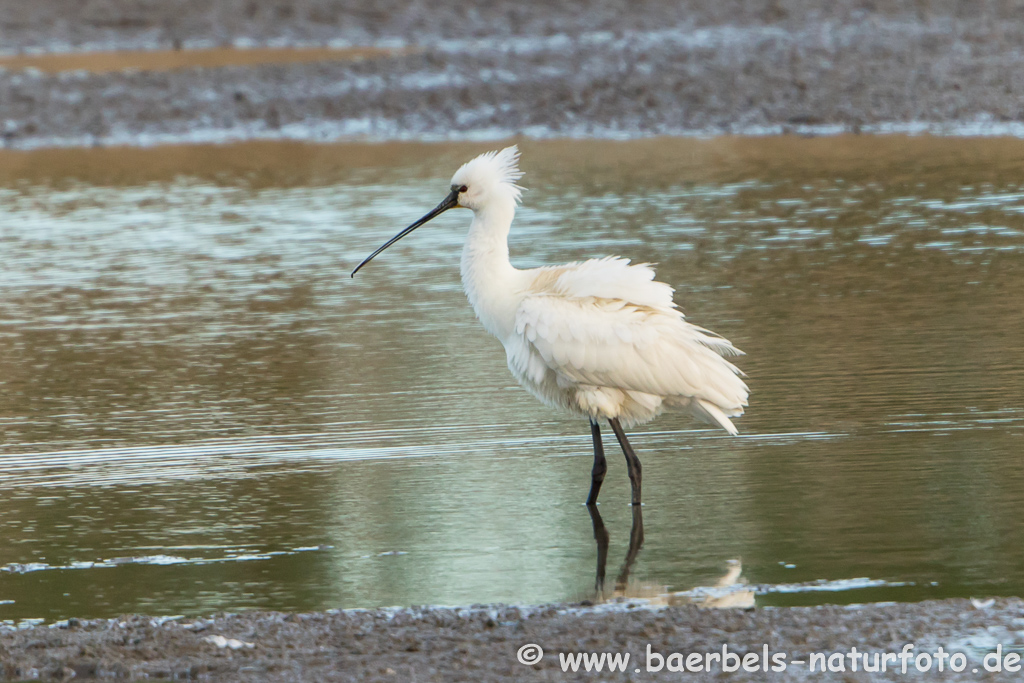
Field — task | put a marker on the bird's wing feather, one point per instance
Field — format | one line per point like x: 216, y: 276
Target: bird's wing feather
x: 613, y: 278
x: 606, y: 323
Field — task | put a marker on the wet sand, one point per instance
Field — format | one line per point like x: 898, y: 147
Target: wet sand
x: 501, y: 69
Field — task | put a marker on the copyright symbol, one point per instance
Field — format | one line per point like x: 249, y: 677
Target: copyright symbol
x: 530, y: 654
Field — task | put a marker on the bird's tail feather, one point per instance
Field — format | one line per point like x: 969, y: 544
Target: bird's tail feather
x: 709, y: 412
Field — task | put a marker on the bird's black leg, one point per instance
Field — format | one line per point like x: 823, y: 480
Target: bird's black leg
x: 600, y: 464
x: 601, y: 536
x: 631, y: 460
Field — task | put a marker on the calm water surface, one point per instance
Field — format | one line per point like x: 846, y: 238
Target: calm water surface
x: 200, y: 411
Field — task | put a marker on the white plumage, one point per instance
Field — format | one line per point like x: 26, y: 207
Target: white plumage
x: 577, y: 346
x: 600, y: 338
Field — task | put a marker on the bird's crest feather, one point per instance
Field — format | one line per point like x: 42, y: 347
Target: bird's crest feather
x: 492, y: 168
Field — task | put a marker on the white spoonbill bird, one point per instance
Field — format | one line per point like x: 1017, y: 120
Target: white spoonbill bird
x: 599, y: 338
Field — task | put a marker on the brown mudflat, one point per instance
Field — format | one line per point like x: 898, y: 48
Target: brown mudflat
x: 169, y: 60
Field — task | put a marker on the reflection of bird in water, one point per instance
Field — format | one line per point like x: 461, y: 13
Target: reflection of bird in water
x: 599, y: 338
x: 729, y: 591
x: 601, y: 535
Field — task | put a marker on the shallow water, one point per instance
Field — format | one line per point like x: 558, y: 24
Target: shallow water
x: 202, y: 412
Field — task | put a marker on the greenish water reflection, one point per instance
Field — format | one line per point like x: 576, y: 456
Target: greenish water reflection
x: 201, y: 411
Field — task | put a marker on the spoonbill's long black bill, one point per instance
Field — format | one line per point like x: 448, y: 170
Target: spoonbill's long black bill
x: 450, y: 202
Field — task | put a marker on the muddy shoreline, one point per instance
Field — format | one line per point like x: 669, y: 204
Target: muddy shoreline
x: 500, y: 69
x: 481, y: 642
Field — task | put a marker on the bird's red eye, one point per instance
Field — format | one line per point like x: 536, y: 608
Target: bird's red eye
x: 463, y: 189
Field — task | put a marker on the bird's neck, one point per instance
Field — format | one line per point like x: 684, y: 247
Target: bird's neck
x: 488, y: 277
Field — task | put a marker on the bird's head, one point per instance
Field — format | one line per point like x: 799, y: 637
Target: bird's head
x: 490, y: 177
